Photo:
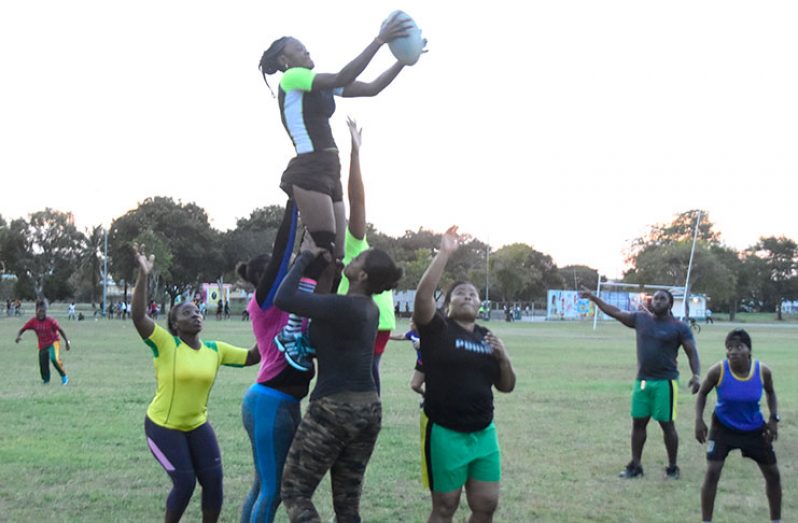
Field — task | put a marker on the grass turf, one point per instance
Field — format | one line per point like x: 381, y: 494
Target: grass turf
x: 78, y: 453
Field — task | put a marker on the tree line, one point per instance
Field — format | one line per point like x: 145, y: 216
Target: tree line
x: 50, y: 256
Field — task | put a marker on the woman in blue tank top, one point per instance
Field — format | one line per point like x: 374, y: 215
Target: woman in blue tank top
x: 737, y: 422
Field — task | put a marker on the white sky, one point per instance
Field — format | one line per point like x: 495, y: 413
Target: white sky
x: 567, y: 125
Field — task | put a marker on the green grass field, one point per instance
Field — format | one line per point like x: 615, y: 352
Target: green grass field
x: 78, y: 453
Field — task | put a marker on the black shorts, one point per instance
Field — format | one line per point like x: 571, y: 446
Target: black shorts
x: 318, y: 171
x: 753, y: 444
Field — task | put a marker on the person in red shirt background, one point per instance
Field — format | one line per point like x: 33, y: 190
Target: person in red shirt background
x: 47, y: 331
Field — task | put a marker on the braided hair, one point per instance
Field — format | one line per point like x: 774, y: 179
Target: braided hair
x: 268, y: 61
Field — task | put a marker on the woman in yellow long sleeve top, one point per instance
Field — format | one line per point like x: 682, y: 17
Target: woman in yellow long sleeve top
x: 177, y: 428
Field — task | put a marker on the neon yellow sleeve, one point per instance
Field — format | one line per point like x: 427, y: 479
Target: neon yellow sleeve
x: 384, y: 300
x: 297, y: 79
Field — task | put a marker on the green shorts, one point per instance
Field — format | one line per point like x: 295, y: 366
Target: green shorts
x: 655, y: 399
x: 451, y: 458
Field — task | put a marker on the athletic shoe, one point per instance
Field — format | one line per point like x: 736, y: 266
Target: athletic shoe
x: 295, y: 351
x: 672, y: 472
x: 64, y: 380
x: 631, y: 471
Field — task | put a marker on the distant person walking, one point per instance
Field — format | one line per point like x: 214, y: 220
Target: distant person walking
x: 737, y: 422
x: 47, y: 330
x: 655, y: 390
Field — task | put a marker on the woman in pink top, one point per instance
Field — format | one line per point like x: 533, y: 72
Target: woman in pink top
x: 270, y: 409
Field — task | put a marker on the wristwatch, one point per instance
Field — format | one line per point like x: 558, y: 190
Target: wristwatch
x: 775, y: 417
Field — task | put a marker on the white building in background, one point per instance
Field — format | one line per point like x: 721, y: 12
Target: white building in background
x: 789, y: 307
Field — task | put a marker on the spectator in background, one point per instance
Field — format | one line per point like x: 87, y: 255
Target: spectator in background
x: 72, y: 311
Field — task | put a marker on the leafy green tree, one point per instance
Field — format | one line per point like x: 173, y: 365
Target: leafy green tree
x: 86, y: 280
x: 662, y: 257
x: 184, y: 228
x: 578, y: 276
x: 521, y: 273
x: 415, y: 268
x: 44, y: 253
x: 679, y: 230
x: 778, y: 280
x: 252, y: 236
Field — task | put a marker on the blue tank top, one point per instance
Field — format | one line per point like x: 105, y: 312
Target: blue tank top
x: 738, y: 398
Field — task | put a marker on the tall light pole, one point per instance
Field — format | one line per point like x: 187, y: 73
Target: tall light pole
x: 105, y: 272
x: 487, y: 273
x: 690, y: 266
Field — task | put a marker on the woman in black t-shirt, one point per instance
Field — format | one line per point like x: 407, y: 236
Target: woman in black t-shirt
x: 462, y: 363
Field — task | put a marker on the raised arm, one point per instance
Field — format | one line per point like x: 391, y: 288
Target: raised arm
x: 143, y: 323
x: 424, y: 309
x: 290, y: 299
x: 695, y: 363
x: 359, y: 89
x: 281, y: 256
x: 356, y: 189
x: 627, y: 318
x: 710, y: 382
x: 395, y: 28
x: 773, y: 404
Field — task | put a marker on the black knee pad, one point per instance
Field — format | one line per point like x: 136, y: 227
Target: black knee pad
x: 324, y: 239
x: 316, y: 267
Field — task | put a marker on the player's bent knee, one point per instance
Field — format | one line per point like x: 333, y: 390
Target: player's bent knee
x: 445, y: 505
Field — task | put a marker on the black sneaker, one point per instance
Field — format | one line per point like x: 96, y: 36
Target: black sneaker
x: 672, y: 472
x: 631, y: 471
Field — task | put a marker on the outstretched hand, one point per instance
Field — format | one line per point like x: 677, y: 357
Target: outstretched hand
x: 585, y: 293
x: 355, y: 133
x: 393, y: 29
x: 450, y: 241
x: 146, y: 263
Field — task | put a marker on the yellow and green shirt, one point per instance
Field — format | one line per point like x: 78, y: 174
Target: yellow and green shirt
x: 184, y: 377
x: 384, y: 300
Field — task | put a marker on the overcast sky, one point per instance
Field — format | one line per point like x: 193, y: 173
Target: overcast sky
x: 570, y: 126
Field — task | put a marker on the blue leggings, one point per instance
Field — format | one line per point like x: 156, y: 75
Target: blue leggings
x: 188, y: 457
x: 271, y: 418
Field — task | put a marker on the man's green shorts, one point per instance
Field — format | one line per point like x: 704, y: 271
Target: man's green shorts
x: 655, y: 399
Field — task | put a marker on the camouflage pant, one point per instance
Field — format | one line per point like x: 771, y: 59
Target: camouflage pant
x: 334, y: 435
